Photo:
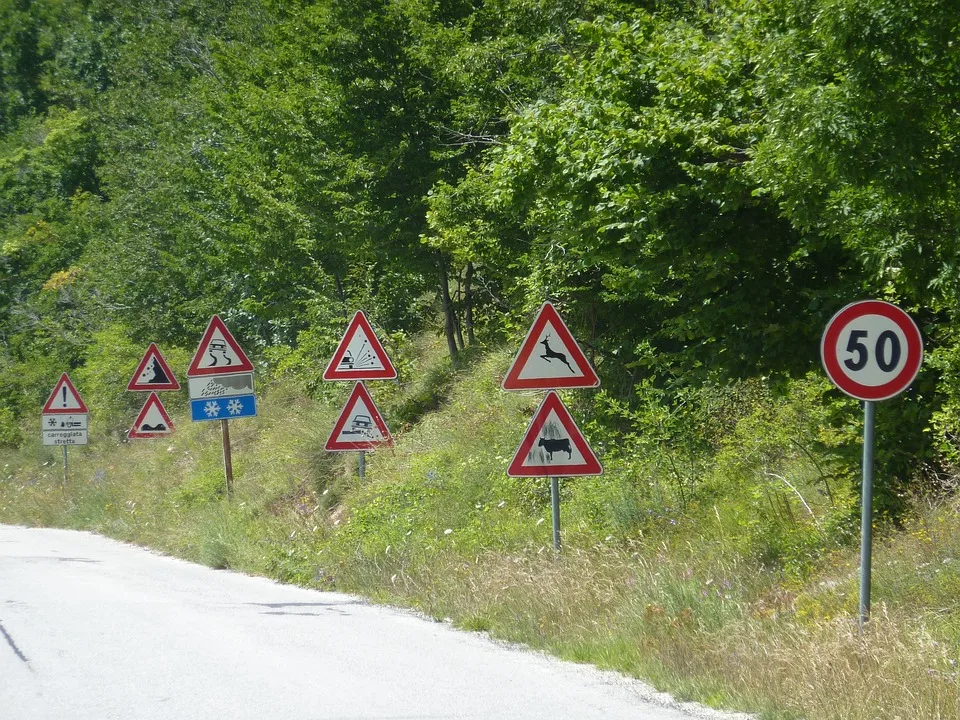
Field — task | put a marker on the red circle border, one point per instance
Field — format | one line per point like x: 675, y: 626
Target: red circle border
x: 914, y: 350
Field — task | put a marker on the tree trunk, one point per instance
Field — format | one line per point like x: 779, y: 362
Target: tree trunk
x: 456, y: 314
x: 449, y: 321
x: 468, y: 303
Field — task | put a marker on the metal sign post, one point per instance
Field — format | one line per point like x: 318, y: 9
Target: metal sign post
x: 362, y: 465
x: 872, y: 351
x: 866, y: 513
x: 227, y: 456
x: 64, y: 465
x: 555, y: 501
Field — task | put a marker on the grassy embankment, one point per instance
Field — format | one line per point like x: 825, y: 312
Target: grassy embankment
x: 711, y: 575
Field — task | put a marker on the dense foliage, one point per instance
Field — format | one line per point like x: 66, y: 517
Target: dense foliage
x: 700, y: 184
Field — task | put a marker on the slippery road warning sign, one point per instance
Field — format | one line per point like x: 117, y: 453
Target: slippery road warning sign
x: 549, y: 357
x: 360, y: 356
x: 360, y: 425
x: 553, y: 445
x: 153, y: 373
x: 153, y: 420
x: 218, y: 353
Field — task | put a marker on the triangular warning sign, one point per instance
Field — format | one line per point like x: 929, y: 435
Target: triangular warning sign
x: 549, y: 357
x: 218, y: 353
x: 153, y: 373
x: 360, y: 425
x: 64, y: 398
x: 153, y: 421
x: 553, y: 445
x: 360, y: 356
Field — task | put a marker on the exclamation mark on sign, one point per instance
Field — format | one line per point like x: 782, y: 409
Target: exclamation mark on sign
x: 64, y: 395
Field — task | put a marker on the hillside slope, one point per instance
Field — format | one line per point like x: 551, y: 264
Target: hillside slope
x: 722, y: 571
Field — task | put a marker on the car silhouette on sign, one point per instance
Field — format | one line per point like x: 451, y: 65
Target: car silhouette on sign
x: 360, y: 425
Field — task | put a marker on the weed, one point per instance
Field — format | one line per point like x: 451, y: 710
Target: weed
x: 712, y: 558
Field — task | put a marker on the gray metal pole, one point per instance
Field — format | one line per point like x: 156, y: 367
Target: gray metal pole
x: 866, y: 514
x: 227, y: 456
x: 362, y: 465
x: 64, y: 464
x: 555, y: 501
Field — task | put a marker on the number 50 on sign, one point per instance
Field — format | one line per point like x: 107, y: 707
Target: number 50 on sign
x: 871, y: 350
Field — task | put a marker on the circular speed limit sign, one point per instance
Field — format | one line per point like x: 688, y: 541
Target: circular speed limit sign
x: 871, y: 350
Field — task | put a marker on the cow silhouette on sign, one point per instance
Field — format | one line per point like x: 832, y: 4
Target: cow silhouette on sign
x: 552, y: 446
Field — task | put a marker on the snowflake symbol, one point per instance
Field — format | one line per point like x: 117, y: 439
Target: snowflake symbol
x: 234, y: 407
x: 212, y: 409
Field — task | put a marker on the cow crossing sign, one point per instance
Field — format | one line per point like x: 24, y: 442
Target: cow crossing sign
x: 553, y: 445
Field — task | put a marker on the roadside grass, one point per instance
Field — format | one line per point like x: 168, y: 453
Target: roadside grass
x: 725, y: 578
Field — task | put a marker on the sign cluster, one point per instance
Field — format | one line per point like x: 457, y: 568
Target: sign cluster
x: 550, y: 358
x: 359, y: 356
x: 871, y: 350
x: 152, y: 375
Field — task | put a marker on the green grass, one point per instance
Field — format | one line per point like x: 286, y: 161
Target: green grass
x: 724, y: 576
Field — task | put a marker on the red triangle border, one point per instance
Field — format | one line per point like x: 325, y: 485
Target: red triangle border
x: 359, y: 392
x: 553, y: 403
x: 153, y: 351
x: 217, y: 324
x: 48, y: 406
x: 512, y: 380
x: 154, y: 399
x: 333, y: 371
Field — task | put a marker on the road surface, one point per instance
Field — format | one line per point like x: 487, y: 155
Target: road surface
x: 95, y: 629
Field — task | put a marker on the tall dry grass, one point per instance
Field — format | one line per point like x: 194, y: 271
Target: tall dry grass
x: 713, y: 629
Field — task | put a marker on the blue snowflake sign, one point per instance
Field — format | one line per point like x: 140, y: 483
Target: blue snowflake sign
x: 223, y: 408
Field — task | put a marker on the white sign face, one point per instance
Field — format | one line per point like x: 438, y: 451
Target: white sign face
x: 553, y: 446
x: 219, y: 353
x: 64, y: 422
x: 871, y: 350
x: 214, y: 386
x: 360, y: 354
x: 153, y: 421
x: 64, y: 437
x: 552, y: 359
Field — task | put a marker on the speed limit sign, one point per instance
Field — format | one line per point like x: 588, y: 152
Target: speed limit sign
x: 871, y: 350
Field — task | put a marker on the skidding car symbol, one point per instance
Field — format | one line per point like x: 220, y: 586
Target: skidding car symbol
x: 360, y: 425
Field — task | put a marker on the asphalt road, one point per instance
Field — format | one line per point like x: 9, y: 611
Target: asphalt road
x: 95, y: 629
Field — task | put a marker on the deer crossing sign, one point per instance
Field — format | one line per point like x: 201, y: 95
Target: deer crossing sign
x: 549, y: 357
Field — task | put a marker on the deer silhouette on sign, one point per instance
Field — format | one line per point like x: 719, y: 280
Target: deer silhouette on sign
x: 553, y: 353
